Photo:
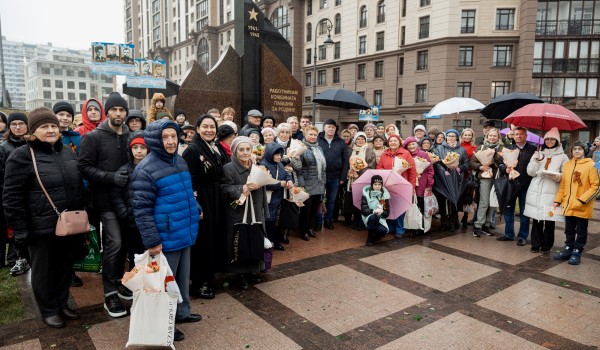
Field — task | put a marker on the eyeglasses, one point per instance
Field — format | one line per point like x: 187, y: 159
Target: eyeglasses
x: 18, y: 125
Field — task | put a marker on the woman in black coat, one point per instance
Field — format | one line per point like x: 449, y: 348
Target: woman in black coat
x: 205, y: 162
x: 33, y: 219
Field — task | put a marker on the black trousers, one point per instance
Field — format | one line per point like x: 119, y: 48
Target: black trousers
x: 51, y: 271
x: 576, y: 230
x: 542, y: 234
x: 308, y: 212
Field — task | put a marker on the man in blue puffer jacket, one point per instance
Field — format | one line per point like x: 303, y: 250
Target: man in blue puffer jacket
x: 165, y: 209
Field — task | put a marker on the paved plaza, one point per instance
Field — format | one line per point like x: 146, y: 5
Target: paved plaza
x: 439, y: 291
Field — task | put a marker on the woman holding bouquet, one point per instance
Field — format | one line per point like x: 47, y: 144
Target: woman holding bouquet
x: 467, y: 141
x: 546, y: 167
x: 362, y: 157
x: 425, y: 177
x: 486, y: 162
x: 291, y: 162
x: 448, y: 178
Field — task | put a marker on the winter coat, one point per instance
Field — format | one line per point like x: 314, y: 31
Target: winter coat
x: 28, y: 211
x: 298, y: 135
x: 426, y: 179
x: 309, y: 174
x: 387, y: 162
x: 294, y: 163
x: 164, y: 206
x: 8, y: 146
x: 578, y: 188
x: 369, y: 203
x: 87, y: 124
x: 443, y: 150
x: 247, y: 129
x: 152, y: 111
x: 337, y: 156
x: 72, y: 139
x: 525, y: 155
x: 278, y: 172
x: 497, y: 163
x: 101, y: 154
x: 543, y: 188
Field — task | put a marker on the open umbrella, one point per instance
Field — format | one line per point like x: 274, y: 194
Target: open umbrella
x: 171, y: 89
x: 342, y: 98
x: 400, y: 190
x: 501, y: 106
x: 544, y: 116
x: 531, y: 137
x: 456, y: 105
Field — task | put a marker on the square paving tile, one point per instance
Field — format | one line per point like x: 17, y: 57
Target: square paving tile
x: 489, y: 247
x: 337, y: 298
x: 566, y: 312
x: 587, y: 273
x: 33, y: 344
x: 226, y: 324
x: 430, y: 267
x: 595, y: 251
x: 450, y: 333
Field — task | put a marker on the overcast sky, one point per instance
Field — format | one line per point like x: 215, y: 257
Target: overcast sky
x: 73, y: 24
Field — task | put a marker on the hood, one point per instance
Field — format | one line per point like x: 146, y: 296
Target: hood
x: 272, y: 149
x: 158, y: 96
x: 583, y: 161
x: 153, y: 138
x: 86, y: 120
x: 132, y: 136
x: 135, y: 113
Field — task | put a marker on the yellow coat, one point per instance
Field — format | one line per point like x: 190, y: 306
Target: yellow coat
x: 578, y: 188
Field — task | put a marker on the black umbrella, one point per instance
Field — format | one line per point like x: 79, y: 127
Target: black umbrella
x: 342, y: 98
x: 501, y: 106
x: 449, y: 184
x: 171, y: 89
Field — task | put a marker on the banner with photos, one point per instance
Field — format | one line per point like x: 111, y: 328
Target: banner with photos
x: 148, y: 74
x: 371, y: 114
x: 112, y: 59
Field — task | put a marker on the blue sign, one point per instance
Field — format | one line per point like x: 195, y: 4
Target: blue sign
x: 597, y: 163
x: 112, y: 59
x: 371, y: 114
x: 427, y: 116
x: 148, y: 74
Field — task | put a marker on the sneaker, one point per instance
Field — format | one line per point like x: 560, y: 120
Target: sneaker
x: 564, y: 254
x: 534, y: 250
x: 114, y: 306
x: 575, y: 258
x: 488, y: 231
x: 544, y: 251
x: 124, y: 293
x: 505, y: 238
x: 521, y: 242
x: 477, y: 232
x: 21, y: 266
x: 399, y: 235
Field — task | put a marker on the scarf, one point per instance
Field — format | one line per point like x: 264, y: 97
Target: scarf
x: 208, y: 150
x: 493, y: 146
x: 376, y: 194
x: 453, y: 145
x: 226, y: 147
x: 360, y: 151
x: 319, y: 157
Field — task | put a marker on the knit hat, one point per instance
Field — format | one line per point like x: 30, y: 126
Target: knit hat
x: 63, y: 106
x: 433, y: 130
x: 394, y: 136
x: 4, y: 117
x: 238, y: 141
x: 179, y: 111
x: 225, y: 131
x: 138, y: 141
x: 369, y: 126
x: 453, y: 131
x: 582, y: 145
x: 254, y: 113
x: 376, y: 178
x: 419, y: 127
x: 359, y: 134
x: 408, y: 140
x: 93, y: 103
x: 163, y: 114
x: 16, y: 116
x: 380, y: 124
x: 425, y: 139
x: 334, y: 123
x: 115, y: 100
x: 39, y: 116
x: 351, y: 126
x: 267, y: 117
x: 378, y: 137
x: 489, y: 123
x: 266, y: 130
x: 553, y: 134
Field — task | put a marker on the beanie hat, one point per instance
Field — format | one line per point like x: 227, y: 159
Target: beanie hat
x: 553, y: 134
x: 419, y: 127
x: 369, y: 126
x: 582, y: 145
x: 351, y: 126
x: 17, y: 116
x: 115, y: 100
x: 409, y: 140
x: 138, y: 141
x: 334, y: 123
x: 93, y: 103
x: 39, y: 116
x: 267, y: 118
x: 378, y: 137
x: 225, y: 131
x: 163, y: 114
x: 266, y: 130
x: 254, y: 113
x: 489, y: 123
x: 394, y: 136
x: 426, y: 138
x: 376, y: 178
x: 453, y: 131
x: 433, y: 130
x: 179, y: 111
x: 63, y: 106
x: 359, y: 134
x: 380, y: 124
x: 238, y: 141
x: 4, y: 117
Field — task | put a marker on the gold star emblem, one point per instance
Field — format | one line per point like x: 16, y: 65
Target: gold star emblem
x: 253, y: 15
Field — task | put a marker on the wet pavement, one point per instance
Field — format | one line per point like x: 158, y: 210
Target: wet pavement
x: 439, y: 291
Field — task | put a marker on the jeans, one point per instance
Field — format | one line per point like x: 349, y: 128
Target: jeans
x: 179, y: 262
x: 113, y: 255
x: 331, y: 189
x: 400, y: 224
x: 576, y: 230
x: 509, y: 218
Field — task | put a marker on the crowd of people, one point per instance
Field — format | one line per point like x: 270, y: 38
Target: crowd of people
x: 164, y: 185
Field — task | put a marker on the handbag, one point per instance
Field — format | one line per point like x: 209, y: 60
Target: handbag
x: 493, y: 196
x: 69, y: 222
x: 248, y: 238
x: 288, y: 217
x: 413, y: 220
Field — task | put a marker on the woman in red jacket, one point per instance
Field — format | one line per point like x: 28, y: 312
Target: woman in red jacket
x: 387, y: 162
x: 467, y: 141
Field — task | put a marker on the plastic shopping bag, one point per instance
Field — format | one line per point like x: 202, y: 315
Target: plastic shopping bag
x: 430, y: 204
x: 92, y: 260
x: 413, y: 220
x: 152, y: 320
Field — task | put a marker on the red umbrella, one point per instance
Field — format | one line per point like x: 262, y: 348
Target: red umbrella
x: 400, y: 190
x: 544, y: 116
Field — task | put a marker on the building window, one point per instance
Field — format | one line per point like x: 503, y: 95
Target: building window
x: 362, y: 44
x: 379, y: 69
x: 424, y: 27
x: 322, y: 52
x: 309, y: 32
x: 465, y: 56
x: 336, y: 50
x: 59, y: 95
x: 82, y: 85
x: 47, y: 95
x: 400, y: 94
x: 421, y: 93
x: 308, y: 7
x: 323, y: 29
x: 308, y: 79
x: 502, y: 56
x: 322, y: 77
x: 378, y: 97
x: 402, y: 35
x: 70, y: 85
x: 467, y: 21
x: 203, y: 53
x: 82, y: 97
x: 48, y: 105
x: 362, y: 93
x: 463, y: 89
x: 422, y: 60
x: 336, y: 75
x: 338, y: 24
x: 81, y: 74
x: 58, y: 84
x: 460, y: 124
x: 381, y: 11
x: 46, y: 83
x: 505, y: 19
x: 500, y: 88
x: 45, y: 70
x: 323, y: 4
x: 400, y: 65
x: 363, y: 17
x: 338, y: 2
x: 308, y: 56
x: 362, y: 71
x: 72, y: 95
x: 281, y: 21
x: 424, y: 2
x: 380, y: 42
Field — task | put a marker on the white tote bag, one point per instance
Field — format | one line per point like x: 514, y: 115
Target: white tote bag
x: 493, y: 197
x: 413, y: 220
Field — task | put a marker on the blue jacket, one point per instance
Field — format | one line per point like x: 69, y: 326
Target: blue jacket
x: 164, y: 206
x: 271, y: 150
x: 72, y: 139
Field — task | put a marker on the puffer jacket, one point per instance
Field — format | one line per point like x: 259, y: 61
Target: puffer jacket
x: 164, y: 206
x: 28, y: 211
x: 87, y: 124
x: 309, y: 175
x: 72, y: 139
x: 101, y: 153
x: 368, y: 203
x: 387, y: 162
x: 8, y: 146
x: 543, y: 188
x: 578, y: 188
x: 278, y: 172
x: 337, y: 155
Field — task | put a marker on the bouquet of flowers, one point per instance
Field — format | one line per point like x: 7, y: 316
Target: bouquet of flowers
x: 258, y: 150
x: 400, y: 165
x: 297, y: 148
x: 421, y: 164
x: 451, y: 160
x: 357, y: 163
x: 151, y: 274
x: 259, y: 175
x: 486, y: 157
x: 511, y: 158
x: 299, y: 196
x: 433, y: 157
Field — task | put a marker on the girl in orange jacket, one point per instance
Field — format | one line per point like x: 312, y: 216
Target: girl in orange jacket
x: 578, y: 188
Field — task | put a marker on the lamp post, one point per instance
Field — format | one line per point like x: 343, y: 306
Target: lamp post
x: 327, y: 41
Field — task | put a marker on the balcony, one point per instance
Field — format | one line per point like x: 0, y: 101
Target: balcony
x: 567, y: 27
x: 563, y: 65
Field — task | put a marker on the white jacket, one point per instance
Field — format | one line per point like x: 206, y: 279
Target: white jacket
x: 543, y: 188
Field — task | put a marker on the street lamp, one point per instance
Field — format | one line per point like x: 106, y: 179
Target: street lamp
x: 327, y: 41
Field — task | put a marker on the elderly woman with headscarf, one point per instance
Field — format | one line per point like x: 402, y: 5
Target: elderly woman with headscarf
x: 390, y: 130
x: 225, y: 135
x: 370, y: 130
x: 234, y: 184
x: 268, y: 135
x: 363, y: 154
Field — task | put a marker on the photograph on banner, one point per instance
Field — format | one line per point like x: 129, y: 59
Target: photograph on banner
x: 148, y: 74
x: 112, y: 58
x: 371, y: 114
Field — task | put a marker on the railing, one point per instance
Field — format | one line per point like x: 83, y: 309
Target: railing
x: 568, y: 27
x: 566, y: 65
